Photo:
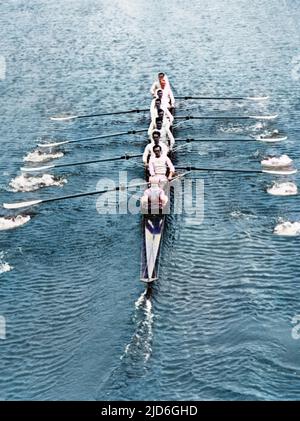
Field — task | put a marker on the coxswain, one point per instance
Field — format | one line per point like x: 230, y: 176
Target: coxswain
x: 154, y: 198
x: 160, y: 166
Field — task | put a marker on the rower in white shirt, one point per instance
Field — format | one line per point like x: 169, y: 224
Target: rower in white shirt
x: 166, y: 135
x: 160, y: 166
x: 155, y: 110
x: 162, y: 83
x: 148, y: 152
x: 165, y: 103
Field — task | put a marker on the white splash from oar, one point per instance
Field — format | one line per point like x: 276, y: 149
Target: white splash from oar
x: 288, y: 229
x: 283, y: 189
x: 282, y: 161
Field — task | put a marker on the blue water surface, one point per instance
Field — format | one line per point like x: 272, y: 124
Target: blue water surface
x: 218, y: 323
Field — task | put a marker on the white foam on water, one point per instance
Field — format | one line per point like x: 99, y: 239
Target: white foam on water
x: 141, y: 340
x: 23, y: 183
x: 140, y: 300
x: 241, y: 129
x: 268, y: 134
x: 287, y: 228
x: 277, y: 161
x: 4, y: 266
x: 283, y: 189
x: 149, y: 328
x: 13, y: 222
x: 38, y: 156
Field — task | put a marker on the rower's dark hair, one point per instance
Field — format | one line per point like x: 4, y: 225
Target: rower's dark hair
x: 156, y: 146
x: 159, y: 90
x: 160, y: 110
x: 158, y: 119
x: 156, y: 132
x: 157, y: 99
x: 161, y: 74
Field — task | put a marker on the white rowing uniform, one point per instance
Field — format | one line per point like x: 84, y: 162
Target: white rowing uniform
x: 164, y: 104
x: 159, y: 166
x: 167, y: 115
x: 149, y: 150
x: 167, y: 99
x: 166, y: 135
x: 167, y: 91
x: 156, y: 85
x: 166, y: 124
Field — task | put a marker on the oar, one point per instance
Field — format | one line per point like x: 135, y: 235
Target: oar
x: 217, y: 139
x: 235, y: 170
x: 230, y: 98
x: 73, y: 164
x: 104, y: 136
x: 20, y: 205
x: 73, y: 117
x: 227, y: 117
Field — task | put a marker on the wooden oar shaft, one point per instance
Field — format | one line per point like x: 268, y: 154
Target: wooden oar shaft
x: 230, y: 98
x: 220, y: 117
x: 71, y: 196
x: 113, y: 113
x: 214, y: 140
x: 105, y: 136
x: 85, y: 139
x: 94, y: 161
x: 238, y: 98
x: 191, y: 168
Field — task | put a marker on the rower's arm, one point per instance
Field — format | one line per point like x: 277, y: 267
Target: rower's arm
x: 146, y: 154
x: 171, y: 138
x: 151, y: 168
x: 169, y: 115
x: 153, y: 88
x: 153, y: 115
x: 152, y: 107
x: 171, y: 167
x: 150, y: 130
x: 172, y: 99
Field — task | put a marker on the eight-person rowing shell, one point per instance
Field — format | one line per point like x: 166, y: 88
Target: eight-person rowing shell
x: 160, y: 171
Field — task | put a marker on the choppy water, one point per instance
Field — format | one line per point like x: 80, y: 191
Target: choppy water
x: 218, y: 324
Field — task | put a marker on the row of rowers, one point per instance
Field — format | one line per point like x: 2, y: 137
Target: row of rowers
x: 155, y: 156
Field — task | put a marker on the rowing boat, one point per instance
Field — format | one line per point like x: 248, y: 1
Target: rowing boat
x: 153, y: 228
